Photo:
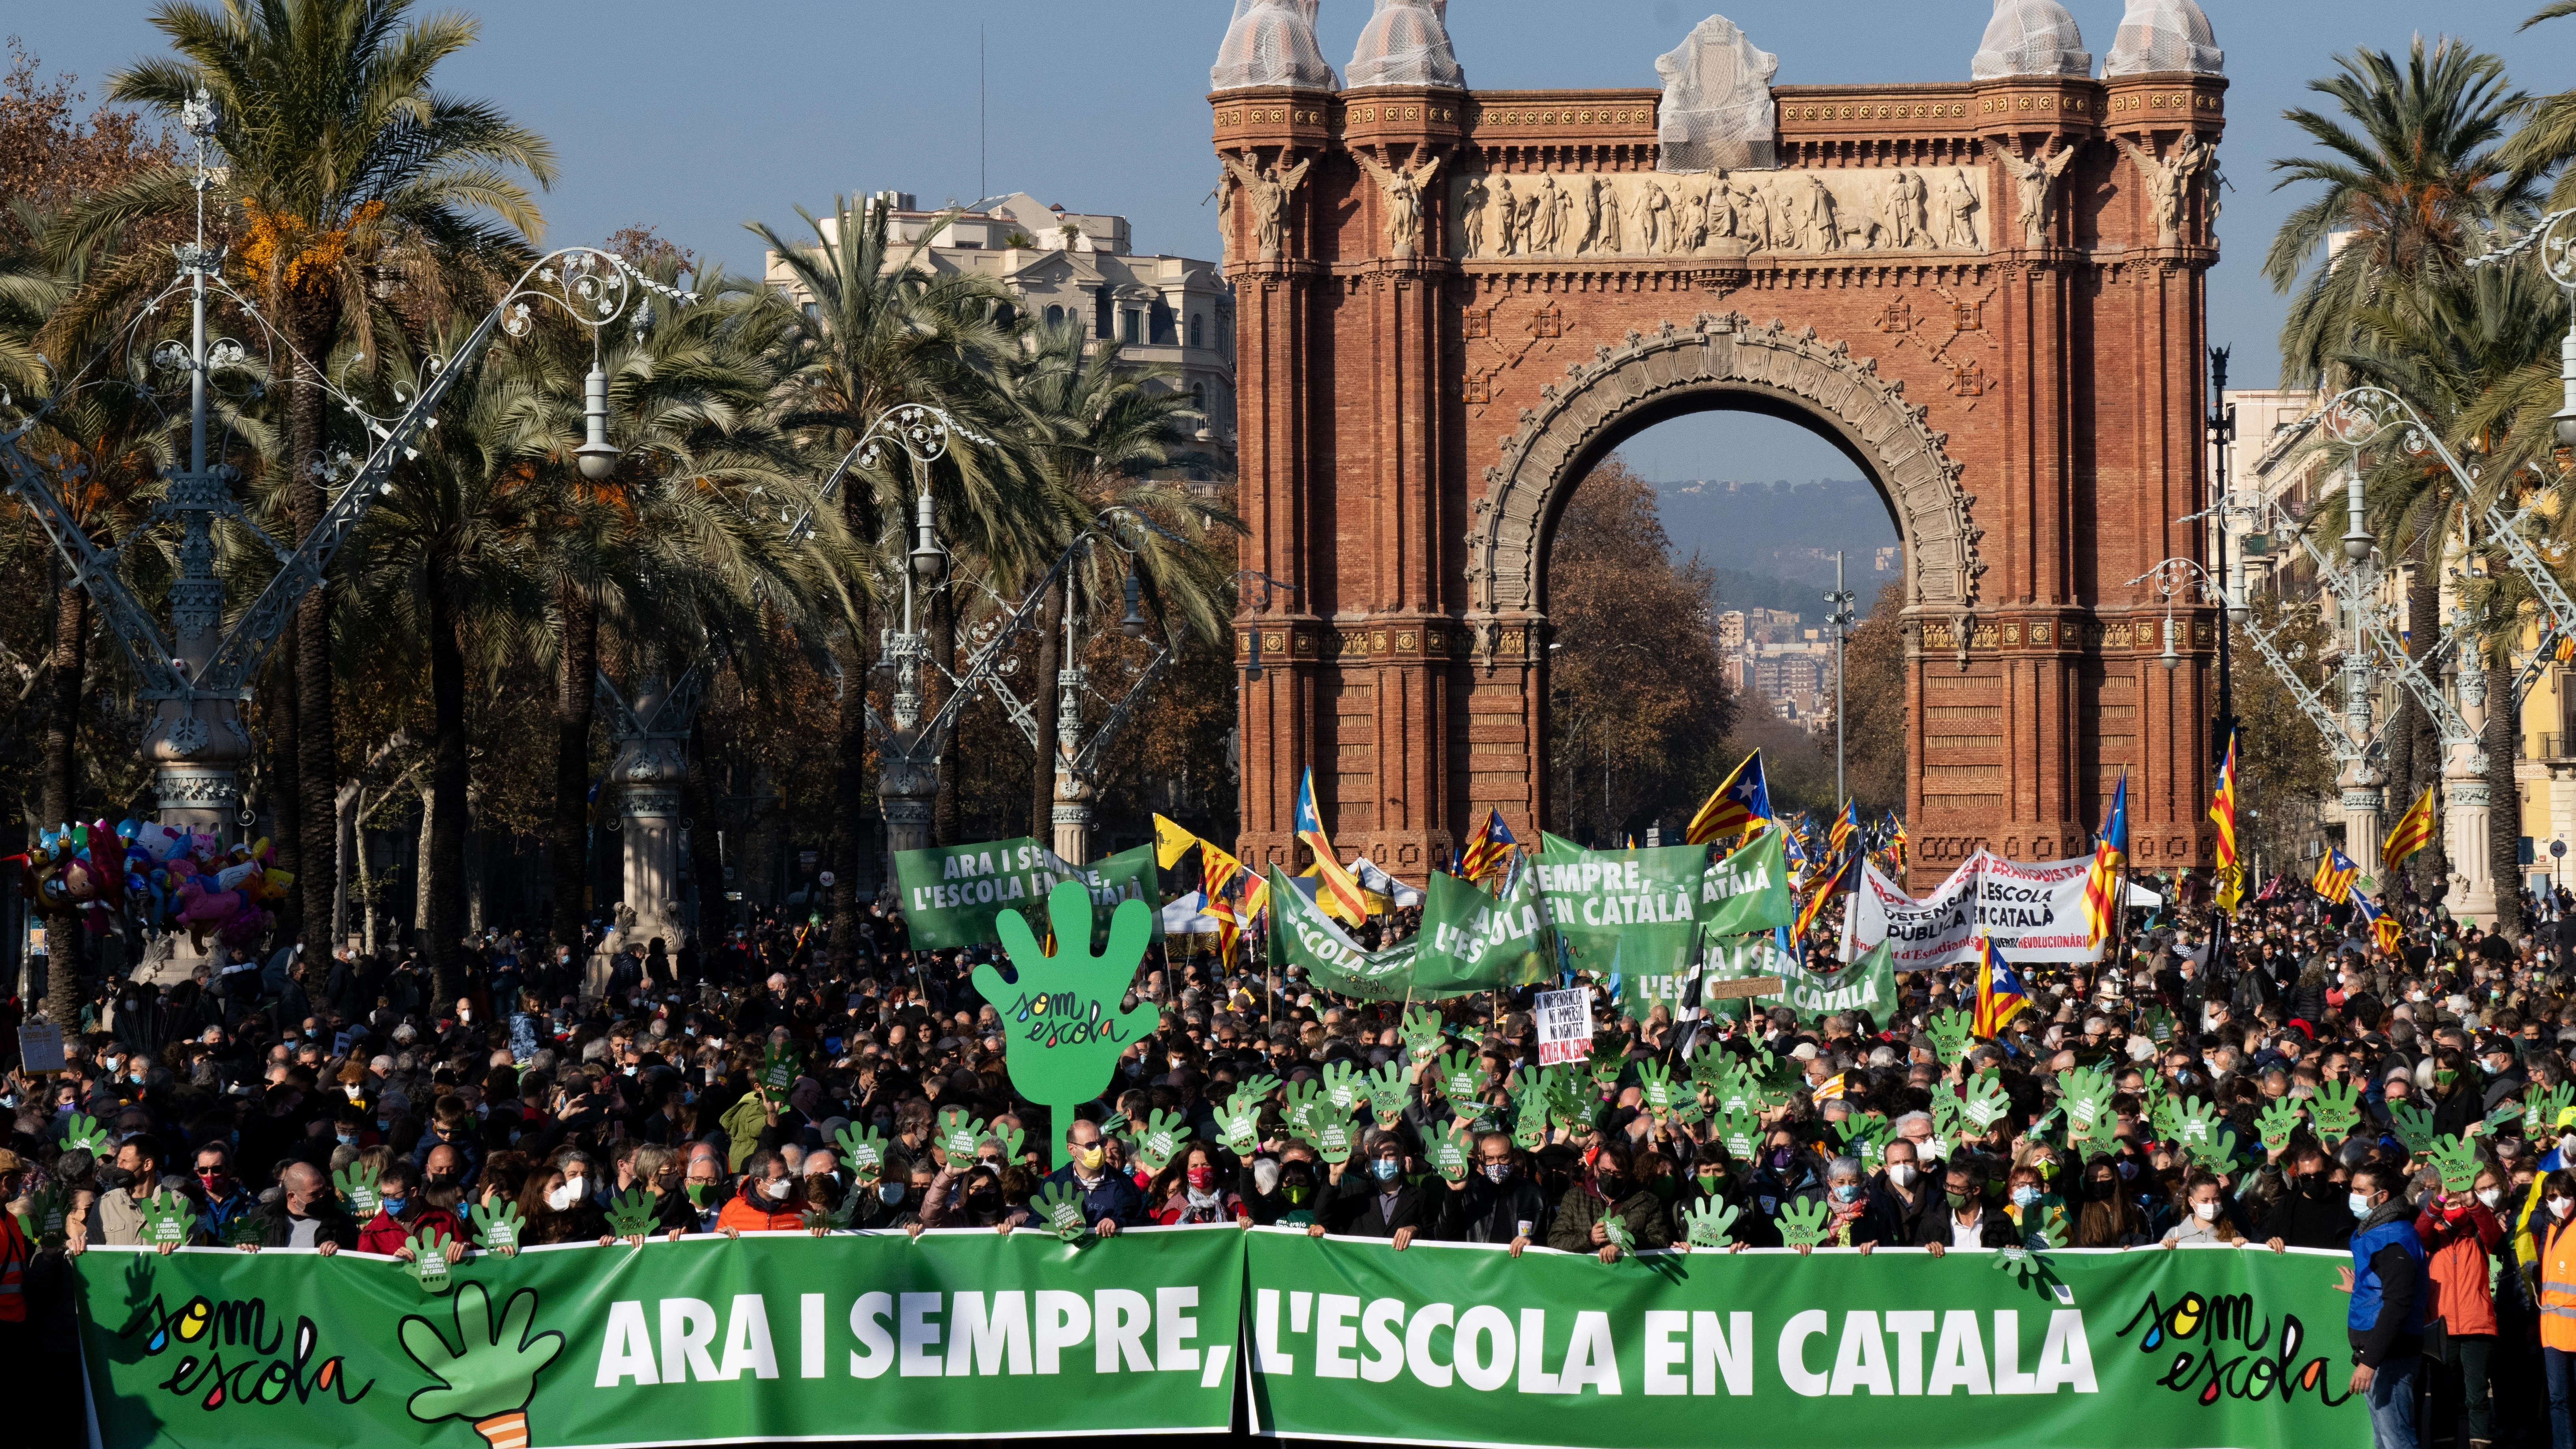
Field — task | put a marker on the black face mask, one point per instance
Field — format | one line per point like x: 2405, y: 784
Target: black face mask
x: 1613, y: 1186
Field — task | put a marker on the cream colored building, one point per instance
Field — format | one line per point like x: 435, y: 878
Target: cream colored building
x: 1079, y: 268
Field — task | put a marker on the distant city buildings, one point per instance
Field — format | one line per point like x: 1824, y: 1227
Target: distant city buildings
x: 1773, y: 657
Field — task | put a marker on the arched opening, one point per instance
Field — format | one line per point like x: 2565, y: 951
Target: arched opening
x: 1685, y: 581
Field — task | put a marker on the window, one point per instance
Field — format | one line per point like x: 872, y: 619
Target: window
x: 1055, y: 316
x: 1100, y: 312
x: 1006, y: 315
x: 1133, y: 325
x: 1198, y: 396
x: 1198, y: 330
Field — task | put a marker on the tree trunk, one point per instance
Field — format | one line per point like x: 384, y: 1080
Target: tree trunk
x: 934, y: 697
x: 444, y: 872
x: 2431, y: 866
x: 2504, y: 798
x: 61, y: 800
x: 1050, y: 663
x: 568, y: 838
x: 851, y: 836
x: 69, y: 662
x: 317, y: 734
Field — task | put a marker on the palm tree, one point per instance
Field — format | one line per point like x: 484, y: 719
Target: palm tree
x: 1095, y: 424
x: 2548, y: 137
x: 875, y: 331
x: 351, y: 184
x: 2407, y: 182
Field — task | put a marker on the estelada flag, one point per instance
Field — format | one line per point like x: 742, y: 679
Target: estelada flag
x: 2222, y: 813
x: 1739, y: 806
x: 2334, y: 877
x: 2102, y: 882
x: 1826, y: 890
x: 1846, y: 825
x: 1489, y: 850
x: 1337, y: 881
x: 2000, y: 994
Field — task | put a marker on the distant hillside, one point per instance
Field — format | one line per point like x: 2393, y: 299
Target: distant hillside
x: 1773, y: 543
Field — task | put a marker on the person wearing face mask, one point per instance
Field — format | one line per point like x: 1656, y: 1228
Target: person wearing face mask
x: 2389, y: 1312
x: 2205, y: 1216
x: 2109, y: 1216
x: 1110, y: 1198
x: 1963, y: 1220
x: 1369, y: 1196
x: 975, y: 1198
x: 1284, y: 1190
x: 225, y: 1197
x: 403, y: 1212
x: 771, y: 1199
x: 1190, y: 1190
x: 556, y: 1203
x: 2310, y: 1212
x: 2461, y: 1234
x: 1905, y: 1197
x: 305, y: 1213
x: 2551, y: 1213
x: 2034, y: 1209
x: 1609, y: 1189
x: 1494, y: 1201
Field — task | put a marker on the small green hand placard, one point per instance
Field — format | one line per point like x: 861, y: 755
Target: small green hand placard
x: 244, y: 1231
x: 2456, y: 1158
x: 1802, y: 1224
x: 2414, y: 1125
x: 1529, y: 1127
x: 1710, y: 1063
x: 1060, y: 1208
x: 83, y: 1134
x: 1010, y: 1138
x: 864, y: 1150
x: 1115, y: 1125
x: 1607, y: 1070
x: 2541, y: 1110
x: 1986, y: 1101
x: 2276, y: 1122
x: 630, y: 1214
x: 1741, y: 1132
x: 1388, y: 1094
x: 1063, y: 1030
x: 1950, y: 1031
x: 1736, y: 1092
x: 48, y: 1214
x: 1160, y: 1139
x: 499, y: 1226
x: 1655, y: 1083
x: 1306, y: 1109
x: 1865, y: 1137
x: 1621, y: 1236
x: 2336, y: 1109
x: 432, y: 1254
x: 1333, y: 1140
x: 1947, y: 1122
x: 1707, y: 1223
x: 166, y: 1218
x: 959, y: 1131
x: 778, y: 1067
x: 1449, y: 1150
x: 357, y: 1187
x: 1420, y: 1033
x: 2085, y: 1097
x: 1690, y: 1111
x: 1342, y: 1086
x: 1239, y: 1119
x: 490, y: 1372
x: 1462, y: 1076
x: 2504, y: 1115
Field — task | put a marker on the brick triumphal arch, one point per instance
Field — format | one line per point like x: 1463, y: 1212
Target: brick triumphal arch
x: 1453, y: 303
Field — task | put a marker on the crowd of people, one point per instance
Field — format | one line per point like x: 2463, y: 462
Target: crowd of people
x: 346, y: 1106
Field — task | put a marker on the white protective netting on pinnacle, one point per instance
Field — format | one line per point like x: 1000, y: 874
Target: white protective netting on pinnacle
x: 2161, y: 36
x: 2031, y: 37
x: 1717, y: 112
x: 1406, y: 44
x: 1271, y: 43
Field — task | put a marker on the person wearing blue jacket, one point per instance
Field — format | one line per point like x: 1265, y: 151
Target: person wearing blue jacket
x: 1110, y: 1198
x: 2387, y: 1284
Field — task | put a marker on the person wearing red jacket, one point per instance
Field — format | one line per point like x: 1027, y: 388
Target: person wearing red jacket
x: 405, y: 1212
x: 2461, y: 1235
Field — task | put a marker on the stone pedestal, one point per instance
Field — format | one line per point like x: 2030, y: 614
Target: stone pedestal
x: 2466, y: 818
x: 645, y: 779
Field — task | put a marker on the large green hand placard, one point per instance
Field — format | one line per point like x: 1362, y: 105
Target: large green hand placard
x: 1064, y: 1029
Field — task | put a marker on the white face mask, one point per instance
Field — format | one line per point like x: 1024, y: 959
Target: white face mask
x: 779, y: 1188
x: 562, y: 1198
x: 2205, y: 1211
x: 2490, y: 1196
x: 2359, y: 1202
x: 1901, y: 1173
x: 2558, y: 1207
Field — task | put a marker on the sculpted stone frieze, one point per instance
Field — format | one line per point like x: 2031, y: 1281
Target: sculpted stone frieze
x: 1739, y: 213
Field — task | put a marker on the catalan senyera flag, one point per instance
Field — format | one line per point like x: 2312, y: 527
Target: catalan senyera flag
x: 2230, y: 875
x: 2102, y: 882
x: 1826, y: 890
x: 1489, y: 850
x: 2000, y: 993
x: 2334, y: 877
x: 1340, y: 888
x: 1219, y: 870
x: 2412, y: 832
x: 2566, y: 650
x: 1739, y: 806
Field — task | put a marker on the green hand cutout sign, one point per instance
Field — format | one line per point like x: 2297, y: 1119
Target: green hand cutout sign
x: 490, y: 1373
x: 83, y: 1134
x: 630, y: 1214
x: 1802, y: 1224
x: 1707, y: 1223
x: 357, y: 1186
x: 2276, y: 1122
x: 1160, y: 1139
x: 1387, y: 1094
x: 1063, y: 1029
x: 432, y: 1254
x: 500, y: 1227
x: 2336, y: 1109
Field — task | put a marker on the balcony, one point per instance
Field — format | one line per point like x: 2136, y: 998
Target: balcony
x: 2554, y: 747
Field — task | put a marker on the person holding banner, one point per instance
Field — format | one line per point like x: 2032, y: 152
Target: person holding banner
x: 1110, y: 1199
x: 1608, y: 1189
x: 1964, y: 1220
x: 1495, y: 1202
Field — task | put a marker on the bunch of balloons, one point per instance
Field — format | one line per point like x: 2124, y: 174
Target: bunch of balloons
x: 167, y: 878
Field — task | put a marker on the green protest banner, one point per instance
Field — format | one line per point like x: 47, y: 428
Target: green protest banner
x: 1741, y: 958
x: 1302, y: 935
x: 1749, y: 891
x: 951, y: 895
x: 1635, y: 912
x: 1459, y: 1344
x: 1868, y: 984
x: 707, y: 1340
x: 1472, y: 941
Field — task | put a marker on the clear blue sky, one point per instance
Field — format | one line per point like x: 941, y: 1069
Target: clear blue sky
x: 698, y: 117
